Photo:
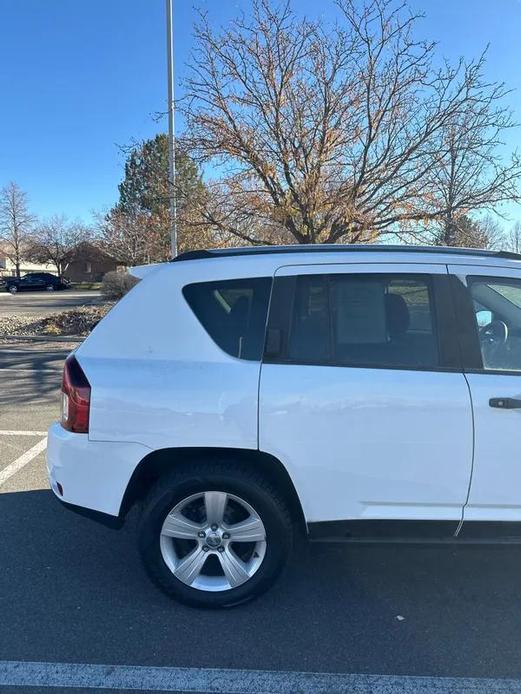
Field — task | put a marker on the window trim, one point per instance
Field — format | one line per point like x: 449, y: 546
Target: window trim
x: 468, y: 333
x: 281, y: 310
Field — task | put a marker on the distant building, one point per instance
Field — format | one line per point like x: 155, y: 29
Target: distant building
x: 89, y: 263
x: 8, y: 268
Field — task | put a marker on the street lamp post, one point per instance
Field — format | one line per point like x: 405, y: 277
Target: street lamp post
x: 171, y: 126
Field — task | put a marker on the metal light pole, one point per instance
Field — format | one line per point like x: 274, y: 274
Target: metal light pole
x: 171, y: 125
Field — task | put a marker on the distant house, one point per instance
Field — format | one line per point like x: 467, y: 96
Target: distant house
x: 8, y: 269
x: 89, y: 263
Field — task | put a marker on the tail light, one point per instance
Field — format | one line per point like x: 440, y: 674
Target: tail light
x: 75, y: 397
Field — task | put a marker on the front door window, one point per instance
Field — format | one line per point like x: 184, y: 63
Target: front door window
x: 497, y: 307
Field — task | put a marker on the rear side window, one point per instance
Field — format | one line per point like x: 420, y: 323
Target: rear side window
x: 233, y: 313
x: 364, y: 320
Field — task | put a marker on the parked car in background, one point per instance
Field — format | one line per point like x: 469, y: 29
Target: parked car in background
x: 356, y: 393
x: 35, y: 281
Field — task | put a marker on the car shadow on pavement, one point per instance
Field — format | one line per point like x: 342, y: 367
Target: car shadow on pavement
x: 29, y: 375
x: 72, y: 590
x: 17, y: 393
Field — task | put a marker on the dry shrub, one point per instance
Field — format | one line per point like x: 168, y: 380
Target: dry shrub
x: 116, y: 284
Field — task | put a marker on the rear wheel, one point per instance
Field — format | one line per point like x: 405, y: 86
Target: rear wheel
x: 214, y: 536
x: 13, y: 289
x: 50, y: 287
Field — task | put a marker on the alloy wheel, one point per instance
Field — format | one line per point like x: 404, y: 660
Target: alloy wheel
x: 213, y: 541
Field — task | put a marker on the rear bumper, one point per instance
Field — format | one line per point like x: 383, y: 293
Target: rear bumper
x: 91, y: 475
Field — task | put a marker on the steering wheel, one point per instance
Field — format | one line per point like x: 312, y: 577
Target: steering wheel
x: 495, y: 333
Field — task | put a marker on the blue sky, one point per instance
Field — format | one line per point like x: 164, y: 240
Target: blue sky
x: 80, y: 77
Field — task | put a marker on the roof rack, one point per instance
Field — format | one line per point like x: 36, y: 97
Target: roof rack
x: 340, y: 248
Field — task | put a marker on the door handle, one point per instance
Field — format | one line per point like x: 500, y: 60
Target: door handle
x: 505, y: 403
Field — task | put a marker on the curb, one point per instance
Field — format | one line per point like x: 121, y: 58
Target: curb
x: 42, y: 338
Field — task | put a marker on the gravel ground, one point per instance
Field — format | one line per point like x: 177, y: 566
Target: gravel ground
x: 75, y: 322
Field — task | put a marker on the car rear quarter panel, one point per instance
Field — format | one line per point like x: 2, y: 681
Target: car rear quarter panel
x: 159, y: 380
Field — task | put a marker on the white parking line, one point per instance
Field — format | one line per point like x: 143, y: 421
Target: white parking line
x: 216, y: 681
x: 8, y: 432
x: 22, y: 461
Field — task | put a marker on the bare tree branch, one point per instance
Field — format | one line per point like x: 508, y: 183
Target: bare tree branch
x: 55, y: 241
x: 16, y: 223
x: 321, y: 133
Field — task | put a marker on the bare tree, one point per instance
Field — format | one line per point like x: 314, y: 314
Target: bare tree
x: 55, y: 241
x: 325, y: 133
x: 469, y: 232
x: 468, y: 171
x: 15, y: 223
x: 513, y: 238
x: 127, y: 235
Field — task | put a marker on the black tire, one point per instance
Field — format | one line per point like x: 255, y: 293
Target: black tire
x: 215, y: 476
x: 13, y: 289
x: 50, y: 288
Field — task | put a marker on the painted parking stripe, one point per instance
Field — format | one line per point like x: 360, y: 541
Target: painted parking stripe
x: 22, y: 461
x: 9, y: 432
x: 214, y: 681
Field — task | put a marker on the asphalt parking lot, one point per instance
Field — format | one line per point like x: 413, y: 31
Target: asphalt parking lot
x: 44, y: 303
x: 72, y: 591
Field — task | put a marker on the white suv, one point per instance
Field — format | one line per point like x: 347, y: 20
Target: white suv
x: 243, y: 396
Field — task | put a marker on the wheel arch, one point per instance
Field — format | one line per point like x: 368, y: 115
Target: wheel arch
x: 161, y: 461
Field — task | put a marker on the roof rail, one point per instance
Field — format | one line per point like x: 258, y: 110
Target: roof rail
x: 340, y: 248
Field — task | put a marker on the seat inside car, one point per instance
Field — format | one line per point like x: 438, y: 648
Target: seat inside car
x: 402, y: 345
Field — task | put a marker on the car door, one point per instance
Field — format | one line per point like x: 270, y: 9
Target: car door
x: 29, y: 283
x: 362, y: 396
x: 489, y: 305
x: 39, y: 281
x: 24, y: 284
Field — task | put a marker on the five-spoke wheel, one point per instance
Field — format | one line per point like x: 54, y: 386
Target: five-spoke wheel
x: 220, y: 552
x: 213, y: 535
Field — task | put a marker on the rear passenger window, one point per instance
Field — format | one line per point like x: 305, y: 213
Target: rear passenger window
x: 233, y: 313
x: 364, y: 320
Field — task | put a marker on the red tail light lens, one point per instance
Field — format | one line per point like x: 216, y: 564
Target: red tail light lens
x: 75, y: 397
